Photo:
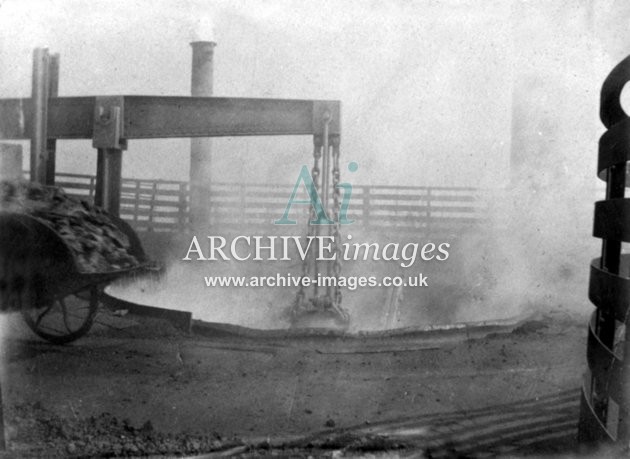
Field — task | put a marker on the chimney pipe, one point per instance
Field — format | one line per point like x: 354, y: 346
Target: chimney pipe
x: 201, y: 149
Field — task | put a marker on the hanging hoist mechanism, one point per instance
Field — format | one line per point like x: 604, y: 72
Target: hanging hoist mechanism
x: 324, y: 301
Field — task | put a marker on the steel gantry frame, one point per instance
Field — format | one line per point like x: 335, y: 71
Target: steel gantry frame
x: 111, y: 121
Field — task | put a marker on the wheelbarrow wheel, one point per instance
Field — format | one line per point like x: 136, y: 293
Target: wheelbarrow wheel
x: 64, y: 319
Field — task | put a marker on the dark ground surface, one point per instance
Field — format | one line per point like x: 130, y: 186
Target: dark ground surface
x: 136, y: 386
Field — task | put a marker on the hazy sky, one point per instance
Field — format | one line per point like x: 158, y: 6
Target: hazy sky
x: 426, y: 86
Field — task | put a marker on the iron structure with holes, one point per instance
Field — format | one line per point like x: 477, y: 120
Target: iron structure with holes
x: 605, y: 405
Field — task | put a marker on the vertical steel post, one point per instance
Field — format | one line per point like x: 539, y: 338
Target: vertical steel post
x: 109, y: 142
x: 201, y: 85
x: 108, y: 173
x: 39, y: 96
x: 51, y: 144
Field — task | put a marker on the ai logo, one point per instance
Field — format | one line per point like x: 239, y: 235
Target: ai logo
x: 315, y: 201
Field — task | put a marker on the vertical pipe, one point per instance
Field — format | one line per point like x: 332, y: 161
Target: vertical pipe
x: 39, y: 95
x: 201, y: 85
x: 108, y: 172
x: 51, y: 144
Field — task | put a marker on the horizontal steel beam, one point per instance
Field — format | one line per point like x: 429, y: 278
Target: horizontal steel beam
x: 151, y: 117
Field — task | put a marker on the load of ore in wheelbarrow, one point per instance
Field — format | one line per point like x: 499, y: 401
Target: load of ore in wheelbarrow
x: 96, y: 242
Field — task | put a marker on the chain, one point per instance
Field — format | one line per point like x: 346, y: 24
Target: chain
x: 336, y: 229
x: 313, y: 230
x: 315, y: 173
x: 319, y: 143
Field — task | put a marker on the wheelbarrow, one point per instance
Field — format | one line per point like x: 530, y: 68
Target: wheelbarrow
x: 40, y: 277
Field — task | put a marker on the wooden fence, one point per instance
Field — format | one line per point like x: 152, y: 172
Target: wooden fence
x: 148, y: 205
x: 162, y: 205
x: 372, y: 207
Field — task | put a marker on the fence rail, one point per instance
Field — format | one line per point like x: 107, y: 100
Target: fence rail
x: 372, y: 207
x: 163, y: 205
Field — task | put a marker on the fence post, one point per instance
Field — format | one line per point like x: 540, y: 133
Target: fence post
x: 182, y: 205
x: 151, y: 207
x: 429, y: 217
x: 136, y: 201
x: 212, y: 203
x: 366, y: 207
x: 92, y: 188
x: 243, y: 199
